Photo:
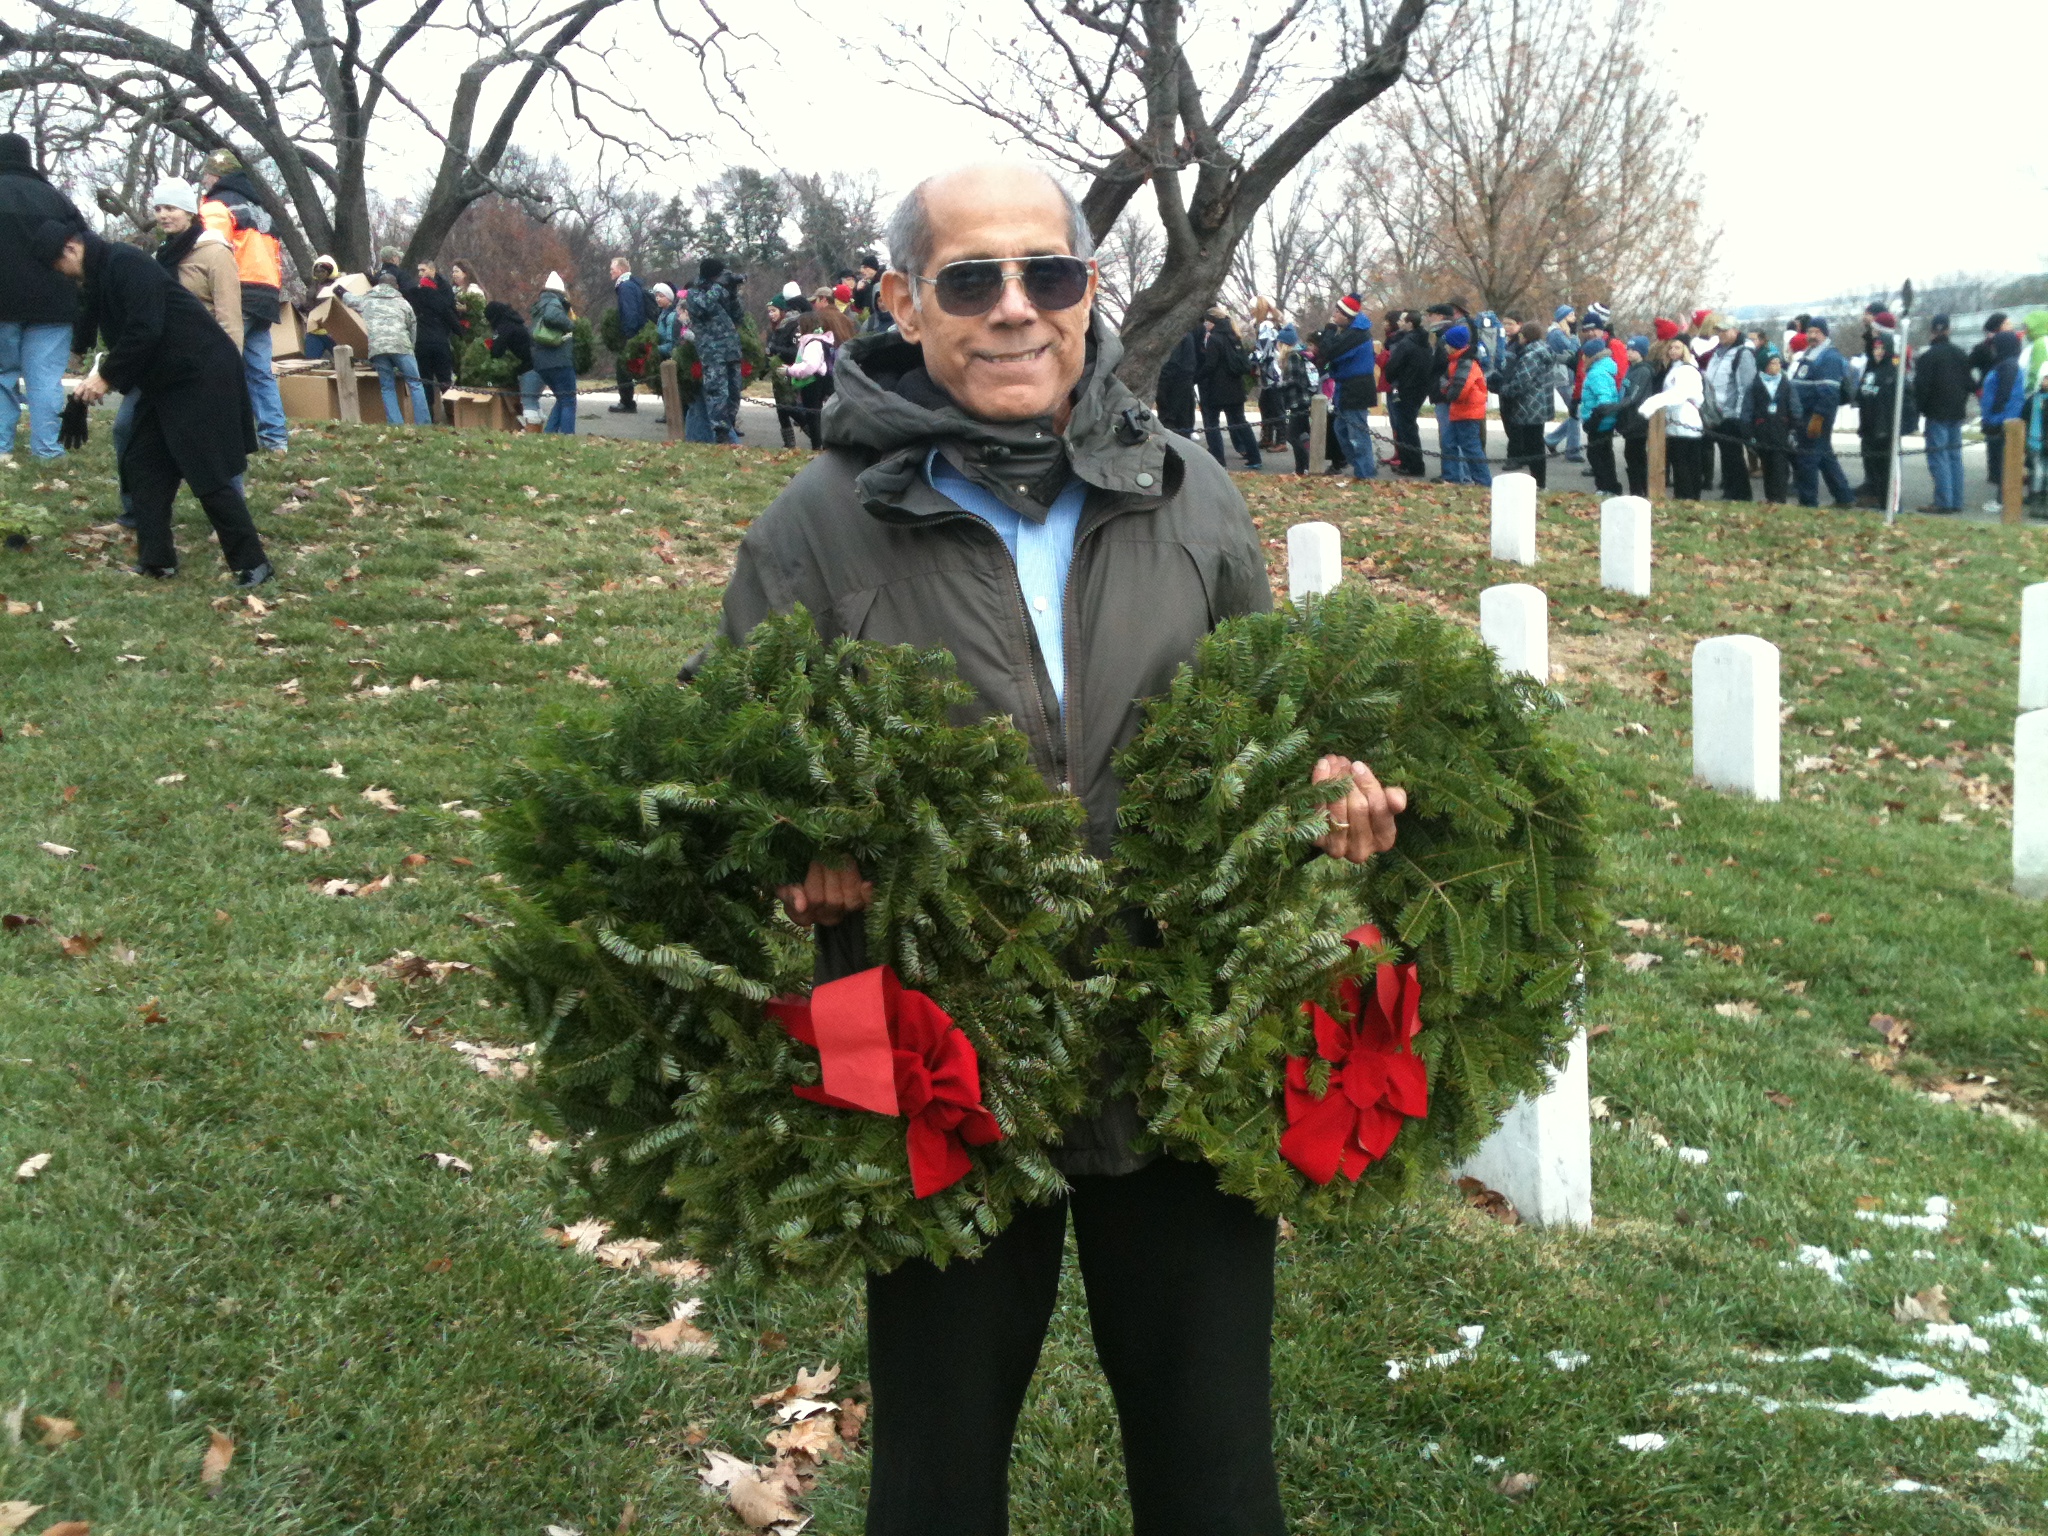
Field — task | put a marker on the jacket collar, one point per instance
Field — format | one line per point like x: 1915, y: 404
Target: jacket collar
x: 884, y: 404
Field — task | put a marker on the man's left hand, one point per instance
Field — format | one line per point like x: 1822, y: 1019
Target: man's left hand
x: 1362, y: 823
x: 93, y: 390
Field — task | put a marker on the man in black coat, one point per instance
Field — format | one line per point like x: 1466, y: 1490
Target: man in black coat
x: 1175, y: 396
x: 636, y: 312
x: 37, y: 306
x: 1942, y: 386
x: 433, y: 303
x: 194, y: 422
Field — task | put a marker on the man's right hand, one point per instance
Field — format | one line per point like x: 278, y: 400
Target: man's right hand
x: 827, y: 895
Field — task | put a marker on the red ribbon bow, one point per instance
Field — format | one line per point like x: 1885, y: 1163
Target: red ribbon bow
x: 1376, y: 1082
x: 895, y: 1052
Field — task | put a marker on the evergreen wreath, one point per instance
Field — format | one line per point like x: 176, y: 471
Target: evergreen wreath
x: 1491, y: 892
x: 646, y: 944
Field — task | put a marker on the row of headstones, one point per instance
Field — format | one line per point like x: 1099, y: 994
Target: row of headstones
x: 1540, y: 1157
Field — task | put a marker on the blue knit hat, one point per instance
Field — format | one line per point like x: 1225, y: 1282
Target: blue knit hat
x: 1288, y: 334
x: 1640, y: 345
x: 1593, y: 346
x: 1458, y: 336
x: 1561, y: 311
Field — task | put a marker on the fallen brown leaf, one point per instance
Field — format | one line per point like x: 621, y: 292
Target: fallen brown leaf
x: 151, y: 1013
x: 448, y: 1162
x: 816, y: 1438
x: 14, y: 922
x: 760, y: 1496
x: 14, y: 1514
x: 677, y: 1336
x: 213, y: 1466
x: 52, y: 1432
x: 1896, y: 1031
x: 1517, y: 1485
x: 1823, y: 917
x: 852, y: 1416
x: 30, y: 1167
x: 353, y: 993
x: 1782, y: 1100
x: 69, y: 1528
x: 807, y: 1384
x: 1743, y: 1009
x: 79, y: 946
x: 383, y: 799
x: 1928, y: 1306
x: 1491, y: 1201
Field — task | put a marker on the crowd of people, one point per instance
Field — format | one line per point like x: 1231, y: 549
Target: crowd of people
x: 1740, y: 406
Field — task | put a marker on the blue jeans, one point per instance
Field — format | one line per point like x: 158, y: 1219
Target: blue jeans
x: 32, y: 359
x: 562, y: 382
x: 391, y: 367
x: 316, y: 347
x: 1945, y: 463
x: 1354, y: 436
x: 1465, y: 457
x: 264, y: 399
x: 1567, y: 433
x: 1816, y: 462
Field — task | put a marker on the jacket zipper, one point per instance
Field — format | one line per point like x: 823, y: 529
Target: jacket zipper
x: 1030, y: 636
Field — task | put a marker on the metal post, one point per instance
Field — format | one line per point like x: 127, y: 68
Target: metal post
x: 1655, y: 492
x: 1899, y: 352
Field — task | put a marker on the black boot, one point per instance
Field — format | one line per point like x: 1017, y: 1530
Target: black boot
x: 155, y: 572
x: 255, y: 576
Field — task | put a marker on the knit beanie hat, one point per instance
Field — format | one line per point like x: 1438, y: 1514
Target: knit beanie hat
x: 709, y: 271
x: 1640, y: 345
x: 1593, y: 347
x: 1351, y: 304
x: 842, y: 293
x: 172, y: 192
x: 792, y: 290
x: 52, y: 235
x: 1667, y: 330
x: 1816, y: 323
x: 663, y: 291
x: 15, y: 154
x: 1700, y: 314
x: 220, y: 162
x: 1560, y: 312
x: 554, y: 284
x: 1598, y: 314
x: 1458, y: 336
x: 324, y: 264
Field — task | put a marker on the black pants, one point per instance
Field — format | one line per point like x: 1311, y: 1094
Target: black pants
x: 625, y: 383
x: 1994, y: 453
x: 1688, y: 456
x: 153, y: 479
x: 437, y: 363
x: 1877, y: 468
x: 1734, y: 467
x: 1777, y: 464
x: 1240, y: 432
x: 1272, y: 418
x: 811, y: 415
x: 1177, y: 408
x: 1297, y: 437
x: 1527, y: 453
x: 1180, y: 1303
x: 1600, y: 454
x: 1635, y: 456
x: 1405, y: 421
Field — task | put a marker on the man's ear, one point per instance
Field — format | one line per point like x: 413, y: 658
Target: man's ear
x: 898, y: 299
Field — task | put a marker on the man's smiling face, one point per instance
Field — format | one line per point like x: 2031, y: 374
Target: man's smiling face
x: 1016, y: 361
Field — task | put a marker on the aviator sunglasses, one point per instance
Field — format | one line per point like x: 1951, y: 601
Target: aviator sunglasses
x: 973, y: 287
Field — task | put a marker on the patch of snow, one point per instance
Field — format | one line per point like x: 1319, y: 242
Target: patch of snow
x: 1639, y: 1443
x: 1735, y: 1197
x: 1947, y: 1397
x: 1933, y: 1218
x: 1825, y: 1260
x: 1468, y: 1344
x: 1697, y: 1156
x: 1491, y: 1463
x: 1566, y: 1360
x: 1907, y: 1485
x: 1957, y: 1336
x: 1925, y: 1253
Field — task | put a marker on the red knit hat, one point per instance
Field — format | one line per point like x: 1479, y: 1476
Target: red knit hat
x: 1700, y: 315
x: 1667, y: 330
x: 843, y: 293
x: 1351, y: 304
x: 1799, y: 342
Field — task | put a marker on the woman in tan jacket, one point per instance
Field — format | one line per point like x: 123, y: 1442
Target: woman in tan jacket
x: 204, y: 264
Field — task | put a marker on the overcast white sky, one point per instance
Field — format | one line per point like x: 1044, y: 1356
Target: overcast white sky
x: 1847, y: 144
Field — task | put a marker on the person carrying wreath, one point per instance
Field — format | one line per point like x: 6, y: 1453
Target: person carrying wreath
x: 988, y: 485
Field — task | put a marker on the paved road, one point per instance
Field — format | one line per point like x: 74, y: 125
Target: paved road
x: 757, y: 423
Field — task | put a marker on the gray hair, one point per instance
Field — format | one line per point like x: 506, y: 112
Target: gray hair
x: 911, y: 236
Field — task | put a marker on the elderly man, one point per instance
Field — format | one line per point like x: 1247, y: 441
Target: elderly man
x: 636, y: 312
x: 988, y: 485
x: 193, y: 423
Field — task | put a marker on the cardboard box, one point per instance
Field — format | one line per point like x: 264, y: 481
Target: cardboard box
x: 344, y: 327
x: 287, y: 339
x: 313, y: 396
x: 478, y: 410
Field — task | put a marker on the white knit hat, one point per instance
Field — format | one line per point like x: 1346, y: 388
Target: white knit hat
x: 792, y: 291
x: 554, y: 284
x: 174, y: 193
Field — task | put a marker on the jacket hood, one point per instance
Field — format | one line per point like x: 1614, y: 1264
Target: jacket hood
x: 2037, y: 325
x: 887, y: 405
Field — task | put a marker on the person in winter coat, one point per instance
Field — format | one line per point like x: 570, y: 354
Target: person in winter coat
x: 1265, y: 368
x: 193, y: 422
x: 668, y: 321
x: 320, y: 287
x: 233, y: 209
x: 1820, y: 378
x: 1876, y: 398
x: 1644, y: 378
x: 392, y: 327
x: 1408, y: 387
x: 1464, y: 392
x: 1219, y: 375
x: 552, y: 325
x: 1679, y: 397
x: 1942, y: 387
x: 820, y: 334
x: 1344, y: 352
x: 1528, y: 392
x: 205, y: 267
x: 1984, y: 355
x: 2001, y: 399
x: 1599, y: 404
x: 1174, y: 398
x: 37, y: 304
x: 1597, y: 325
x: 1297, y: 392
x: 1730, y: 373
x: 440, y: 320
x: 636, y: 309
x: 1068, y: 604
x: 1563, y: 341
x: 509, y: 336
x: 1773, y: 424
x: 715, y: 314
x: 781, y: 346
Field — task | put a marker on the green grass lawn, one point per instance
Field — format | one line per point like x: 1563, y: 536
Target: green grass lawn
x: 242, y: 1225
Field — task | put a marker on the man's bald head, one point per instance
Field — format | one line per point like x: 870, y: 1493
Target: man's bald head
x: 984, y: 193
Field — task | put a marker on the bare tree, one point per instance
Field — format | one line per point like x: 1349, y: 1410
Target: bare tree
x: 1543, y: 160
x: 302, y: 89
x: 1276, y: 257
x: 1126, y: 93
x: 1128, y: 259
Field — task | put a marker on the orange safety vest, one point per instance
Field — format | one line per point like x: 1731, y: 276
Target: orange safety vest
x: 259, y: 259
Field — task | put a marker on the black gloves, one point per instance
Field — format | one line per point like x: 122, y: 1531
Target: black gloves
x: 71, y: 428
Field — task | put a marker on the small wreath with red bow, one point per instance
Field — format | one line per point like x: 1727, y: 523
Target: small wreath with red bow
x: 1273, y: 1032
x: 708, y: 1093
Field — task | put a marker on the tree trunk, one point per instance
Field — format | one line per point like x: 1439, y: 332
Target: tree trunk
x: 1171, y: 306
